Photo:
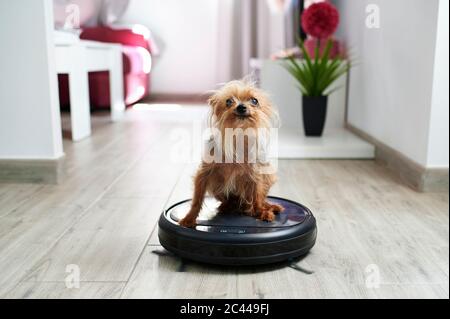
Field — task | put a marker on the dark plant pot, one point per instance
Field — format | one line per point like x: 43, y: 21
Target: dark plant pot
x: 314, y: 114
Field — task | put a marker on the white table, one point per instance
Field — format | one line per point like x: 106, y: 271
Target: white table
x: 77, y: 58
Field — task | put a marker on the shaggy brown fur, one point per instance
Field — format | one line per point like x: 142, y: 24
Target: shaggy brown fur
x: 238, y: 186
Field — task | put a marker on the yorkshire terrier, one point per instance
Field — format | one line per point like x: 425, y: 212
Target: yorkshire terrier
x: 238, y: 185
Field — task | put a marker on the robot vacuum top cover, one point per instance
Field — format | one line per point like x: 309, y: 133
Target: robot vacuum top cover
x: 236, y: 239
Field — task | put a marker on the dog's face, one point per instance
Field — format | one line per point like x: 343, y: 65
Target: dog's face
x: 239, y: 104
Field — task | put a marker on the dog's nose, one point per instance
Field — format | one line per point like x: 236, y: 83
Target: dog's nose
x: 241, y: 109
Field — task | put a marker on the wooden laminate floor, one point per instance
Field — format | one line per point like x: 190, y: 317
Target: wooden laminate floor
x: 377, y: 238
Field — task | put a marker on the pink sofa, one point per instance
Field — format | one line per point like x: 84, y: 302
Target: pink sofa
x: 137, y: 60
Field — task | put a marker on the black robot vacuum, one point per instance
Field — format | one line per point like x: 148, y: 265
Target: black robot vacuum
x: 237, y: 239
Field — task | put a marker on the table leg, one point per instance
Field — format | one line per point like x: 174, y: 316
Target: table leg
x: 116, y: 84
x: 79, y: 96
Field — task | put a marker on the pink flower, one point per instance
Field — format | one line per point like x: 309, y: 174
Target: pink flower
x: 320, y: 20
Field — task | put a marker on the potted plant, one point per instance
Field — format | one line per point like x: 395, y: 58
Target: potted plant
x: 316, y: 72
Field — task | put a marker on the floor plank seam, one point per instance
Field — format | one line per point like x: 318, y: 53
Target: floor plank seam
x: 86, y: 210
x: 81, y: 282
x: 151, y: 233
x: 24, y: 202
x: 43, y: 187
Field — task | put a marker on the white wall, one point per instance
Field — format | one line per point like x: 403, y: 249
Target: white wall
x: 186, y: 32
x: 206, y: 42
x: 29, y: 111
x: 391, y: 90
x: 439, y: 124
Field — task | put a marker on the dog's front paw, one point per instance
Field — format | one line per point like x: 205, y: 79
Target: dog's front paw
x: 267, y: 216
x: 276, y: 208
x: 188, y: 222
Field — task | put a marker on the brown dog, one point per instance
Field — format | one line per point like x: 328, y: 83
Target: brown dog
x: 236, y: 180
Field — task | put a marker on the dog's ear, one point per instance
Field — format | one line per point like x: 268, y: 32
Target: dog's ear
x: 213, y: 100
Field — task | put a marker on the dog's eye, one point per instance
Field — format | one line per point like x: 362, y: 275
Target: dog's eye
x: 229, y: 102
x: 254, y: 101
